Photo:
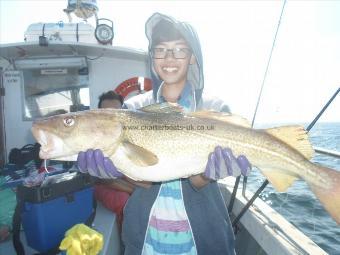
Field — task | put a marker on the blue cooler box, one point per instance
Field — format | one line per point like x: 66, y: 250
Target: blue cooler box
x: 48, y: 212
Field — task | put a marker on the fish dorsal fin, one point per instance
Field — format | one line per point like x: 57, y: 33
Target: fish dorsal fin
x: 281, y: 181
x: 162, y: 108
x: 222, y: 116
x: 294, y: 136
x: 139, y: 155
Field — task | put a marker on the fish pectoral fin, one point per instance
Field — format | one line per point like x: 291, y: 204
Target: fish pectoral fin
x: 294, y: 136
x: 138, y: 155
x: 280, y: 180
x: 222, y: 116
x: 162, y: 108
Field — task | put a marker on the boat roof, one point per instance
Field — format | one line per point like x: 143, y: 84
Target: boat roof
x: 33, y: 49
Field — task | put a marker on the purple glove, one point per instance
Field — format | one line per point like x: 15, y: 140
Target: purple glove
x: 94, y: 163
x: 222, y: 163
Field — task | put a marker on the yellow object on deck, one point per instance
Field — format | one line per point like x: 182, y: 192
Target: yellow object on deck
x: 82, y: 240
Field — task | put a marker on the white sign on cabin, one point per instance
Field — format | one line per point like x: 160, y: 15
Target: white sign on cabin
x: 11, y: 77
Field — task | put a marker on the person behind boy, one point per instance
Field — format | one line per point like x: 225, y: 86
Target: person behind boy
x: 184, y: 216
x: 110, y: 99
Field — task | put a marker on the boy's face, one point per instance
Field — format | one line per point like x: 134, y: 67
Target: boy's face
x: 170, y: 69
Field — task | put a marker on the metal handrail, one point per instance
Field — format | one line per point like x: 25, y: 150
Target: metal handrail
x: 327, y: 152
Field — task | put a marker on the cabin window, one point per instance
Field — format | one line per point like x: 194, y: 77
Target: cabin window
x: 54, y: 87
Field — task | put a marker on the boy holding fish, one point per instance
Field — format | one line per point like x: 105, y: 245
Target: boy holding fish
x: 182, y: 216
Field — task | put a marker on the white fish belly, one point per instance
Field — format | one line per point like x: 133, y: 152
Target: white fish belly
x: 164, y: 170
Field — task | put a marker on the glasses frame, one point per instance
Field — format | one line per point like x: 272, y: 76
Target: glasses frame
x: 175, y: 50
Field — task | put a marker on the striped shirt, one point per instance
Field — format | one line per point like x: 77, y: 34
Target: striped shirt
x: 169, y: 230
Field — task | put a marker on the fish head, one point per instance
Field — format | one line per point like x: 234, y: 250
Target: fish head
x: 64, y: 136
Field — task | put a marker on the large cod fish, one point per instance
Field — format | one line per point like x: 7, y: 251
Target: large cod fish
x: 160, y: 142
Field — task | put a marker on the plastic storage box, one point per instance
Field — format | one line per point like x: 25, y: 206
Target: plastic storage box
x: 48, y: 212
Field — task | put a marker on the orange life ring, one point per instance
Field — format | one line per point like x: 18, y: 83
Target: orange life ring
x: 136, y: 84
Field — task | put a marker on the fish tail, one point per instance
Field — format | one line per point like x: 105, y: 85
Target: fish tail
x: 328, y: 191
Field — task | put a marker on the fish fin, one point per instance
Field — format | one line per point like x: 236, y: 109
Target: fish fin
x: 139, y: 155
x: 162, y: 108
x: 294, y: 136
x: 329, y: 192
x: 222, y: 116
x: 280, y: 181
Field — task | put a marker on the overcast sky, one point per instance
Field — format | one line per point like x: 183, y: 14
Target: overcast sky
x: 236, y: 38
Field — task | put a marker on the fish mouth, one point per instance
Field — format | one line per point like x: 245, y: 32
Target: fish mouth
x: 51, y: 145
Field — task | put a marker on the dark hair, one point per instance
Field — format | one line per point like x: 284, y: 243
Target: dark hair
x: 110, y: 95
x: 56, y: 112
x: 165, y: 31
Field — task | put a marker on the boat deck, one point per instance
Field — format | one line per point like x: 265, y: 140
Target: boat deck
x: 264, y: 230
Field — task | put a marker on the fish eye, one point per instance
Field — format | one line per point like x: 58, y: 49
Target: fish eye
x: 69, y: 121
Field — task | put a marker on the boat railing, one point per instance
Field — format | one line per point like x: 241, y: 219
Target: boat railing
x: 332, y: 153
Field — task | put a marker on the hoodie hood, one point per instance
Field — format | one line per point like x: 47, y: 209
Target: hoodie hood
x: 195, y: 71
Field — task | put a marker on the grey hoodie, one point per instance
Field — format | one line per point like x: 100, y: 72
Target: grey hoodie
x: 195, y: 73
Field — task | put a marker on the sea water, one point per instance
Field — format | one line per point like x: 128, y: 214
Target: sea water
x: 299, y: 205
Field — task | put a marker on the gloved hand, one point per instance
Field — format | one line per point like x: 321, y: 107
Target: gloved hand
x: 82, y: 240
x: 222, y: 163
x: 94, y: 163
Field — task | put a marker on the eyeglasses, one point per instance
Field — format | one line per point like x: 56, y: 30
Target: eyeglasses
x: 178, y: 53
